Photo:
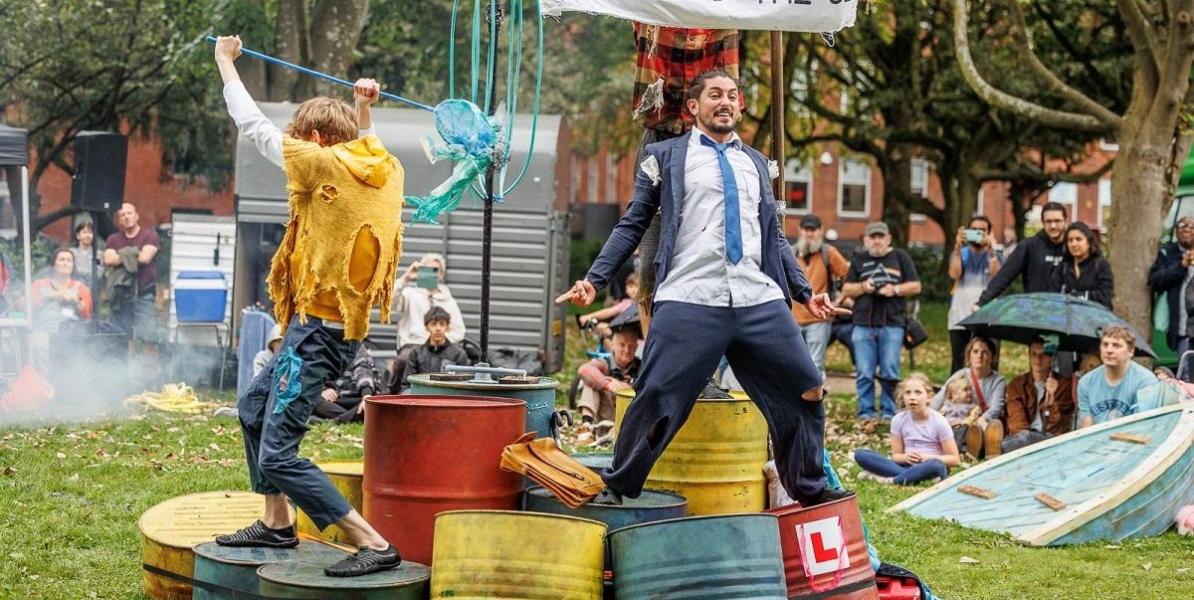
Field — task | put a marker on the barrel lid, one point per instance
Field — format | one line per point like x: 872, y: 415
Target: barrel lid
x: 306, y: 550
x: 185, y: 521
x: 530, y: 383
x: 309, y: 574
x: 348, y: 467
x: 706, y: 518
x: 428, y: 401
x: 648, y: 499
x: 519, y: 514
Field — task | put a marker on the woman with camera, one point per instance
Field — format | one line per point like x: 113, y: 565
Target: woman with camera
x: 972, y: 264
x: 419, y: 289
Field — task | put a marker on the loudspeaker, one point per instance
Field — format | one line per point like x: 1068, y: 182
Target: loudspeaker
x: 100, y: 159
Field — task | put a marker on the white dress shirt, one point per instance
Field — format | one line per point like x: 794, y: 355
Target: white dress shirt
x: 255, y: 126
x: 699, y: 272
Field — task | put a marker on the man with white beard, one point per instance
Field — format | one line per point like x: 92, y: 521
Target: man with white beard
x: 825, y: 267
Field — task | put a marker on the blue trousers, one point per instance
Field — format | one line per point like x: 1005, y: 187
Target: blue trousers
x: 769, y: 357
x: 274, y: 412
x: 902, y: 473
x: 877, y: 347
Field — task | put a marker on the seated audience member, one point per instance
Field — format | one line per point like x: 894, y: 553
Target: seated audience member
x: 341, y: 400
x: 602, y: 378
x: 437, y: 351
x: 271, y: 348
x: 984, y: 436
x: 603, y: 316
x: 1109, y: 391
x: 960, y: 409
x: 922, y: 444
x: 1168, y: 390
x: 1039, y: 404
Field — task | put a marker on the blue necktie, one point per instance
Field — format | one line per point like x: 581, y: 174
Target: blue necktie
x: 733, y: 222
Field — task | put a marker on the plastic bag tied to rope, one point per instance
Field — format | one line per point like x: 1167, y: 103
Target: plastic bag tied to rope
x: 468, y: 137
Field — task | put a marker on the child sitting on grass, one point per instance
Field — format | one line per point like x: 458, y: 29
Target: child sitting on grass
x: 922, y: 443
x: 960, y: 409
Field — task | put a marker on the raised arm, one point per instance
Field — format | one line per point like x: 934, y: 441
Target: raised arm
x: 250, y: 121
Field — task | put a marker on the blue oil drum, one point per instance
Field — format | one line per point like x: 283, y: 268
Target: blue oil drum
x: 539, y: 393
x: 226, y: 573
x: 720, y: 556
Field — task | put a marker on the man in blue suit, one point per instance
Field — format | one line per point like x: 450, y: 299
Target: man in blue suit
x: 726, y: 279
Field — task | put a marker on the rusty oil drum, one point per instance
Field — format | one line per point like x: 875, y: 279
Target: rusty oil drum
x: 830, y: 539
x: 428, y: 454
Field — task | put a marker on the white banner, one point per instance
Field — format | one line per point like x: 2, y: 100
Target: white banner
x: 772, y: 15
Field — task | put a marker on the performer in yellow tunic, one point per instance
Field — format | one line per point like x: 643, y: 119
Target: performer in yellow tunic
x: 336, y: 261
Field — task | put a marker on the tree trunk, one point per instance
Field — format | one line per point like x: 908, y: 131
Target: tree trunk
x: 897, y: 186
x: 335, y: 29
x: 290, y: 41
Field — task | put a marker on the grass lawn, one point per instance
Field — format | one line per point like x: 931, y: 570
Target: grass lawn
x: 70, y: 497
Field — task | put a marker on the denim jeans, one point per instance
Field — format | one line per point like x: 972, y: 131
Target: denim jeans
x: 274, y: 412
x: 877, y: 347
x: 817, y: 337
x: 901, y: 473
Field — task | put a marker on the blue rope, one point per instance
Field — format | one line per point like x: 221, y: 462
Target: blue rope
x: 324, y: 76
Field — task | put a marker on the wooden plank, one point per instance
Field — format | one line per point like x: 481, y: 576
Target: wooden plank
x: 1131, y: 437
x: 977, y: 492
x: 1050, y: 501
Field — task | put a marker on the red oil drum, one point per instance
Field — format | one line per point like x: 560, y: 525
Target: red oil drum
x: 428, y: 454
x: 825, y: 553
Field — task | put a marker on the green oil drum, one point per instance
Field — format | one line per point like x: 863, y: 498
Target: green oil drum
x: 225, y: 573
x: 305, y: 580
x: 539, y: 393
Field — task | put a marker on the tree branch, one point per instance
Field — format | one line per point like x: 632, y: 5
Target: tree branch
x: 1140, y: 32
x: 999, y: 99
x: 1026, y: 47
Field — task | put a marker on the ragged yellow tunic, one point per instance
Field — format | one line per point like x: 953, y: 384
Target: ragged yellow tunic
x: 344, y: 238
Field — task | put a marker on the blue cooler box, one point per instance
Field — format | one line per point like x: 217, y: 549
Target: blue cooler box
x: 200, y: 296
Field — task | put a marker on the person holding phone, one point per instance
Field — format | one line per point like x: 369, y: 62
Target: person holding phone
x: 420, y: 288
x: 972, y: 264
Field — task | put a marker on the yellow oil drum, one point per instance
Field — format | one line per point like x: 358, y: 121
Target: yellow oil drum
x: 171, y: 529
x: 716, y: 459
x: 509, y: 554
x: 346, y: 477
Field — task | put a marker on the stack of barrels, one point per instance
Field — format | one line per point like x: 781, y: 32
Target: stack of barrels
x: 430, y: 483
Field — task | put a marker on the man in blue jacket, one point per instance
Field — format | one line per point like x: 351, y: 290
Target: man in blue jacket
x: 726, y: 279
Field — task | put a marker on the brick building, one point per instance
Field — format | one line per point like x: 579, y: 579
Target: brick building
x: 846, y: 192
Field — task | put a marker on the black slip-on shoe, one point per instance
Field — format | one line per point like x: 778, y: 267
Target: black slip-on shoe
x: 258, y: 535
x: 365, y: 561
x: 826, y: 496
x: 607, y: 497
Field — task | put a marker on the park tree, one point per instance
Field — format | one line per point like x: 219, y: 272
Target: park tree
x: 1152, y: 127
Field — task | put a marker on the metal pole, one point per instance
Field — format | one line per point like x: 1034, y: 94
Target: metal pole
x: 487, y: 210
x: 777, y: 122
x: 28, y: 253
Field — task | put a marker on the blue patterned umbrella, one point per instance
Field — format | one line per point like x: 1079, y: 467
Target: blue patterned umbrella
x: 1025, y: 318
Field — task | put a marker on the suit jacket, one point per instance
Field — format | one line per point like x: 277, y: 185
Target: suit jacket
x: 666, y: 198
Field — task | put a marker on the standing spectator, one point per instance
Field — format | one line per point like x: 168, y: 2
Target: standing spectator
x: 985, y: 436
x: 437, y: 351
x: 1171, y: 275
x: 1083, y: 270
x: 57, y: 298
x: 417, y: 296
x: 879, y: 280
x: 84, y: 238
x: 1039, y: 405
x: 1034, y: 258
x: 823, y: 265
x: 972, y: 264
x: 129, y: 256
x: 1109, y: 391
x: 1009, y: 240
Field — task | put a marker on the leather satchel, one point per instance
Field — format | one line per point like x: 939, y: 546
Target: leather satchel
x: 545, y: 464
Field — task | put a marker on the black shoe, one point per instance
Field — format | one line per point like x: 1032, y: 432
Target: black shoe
x: 826, y: 496
x: 258, y: 535
x: 607, y: 497
x: 712, y: 392
x: 365, y: 561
